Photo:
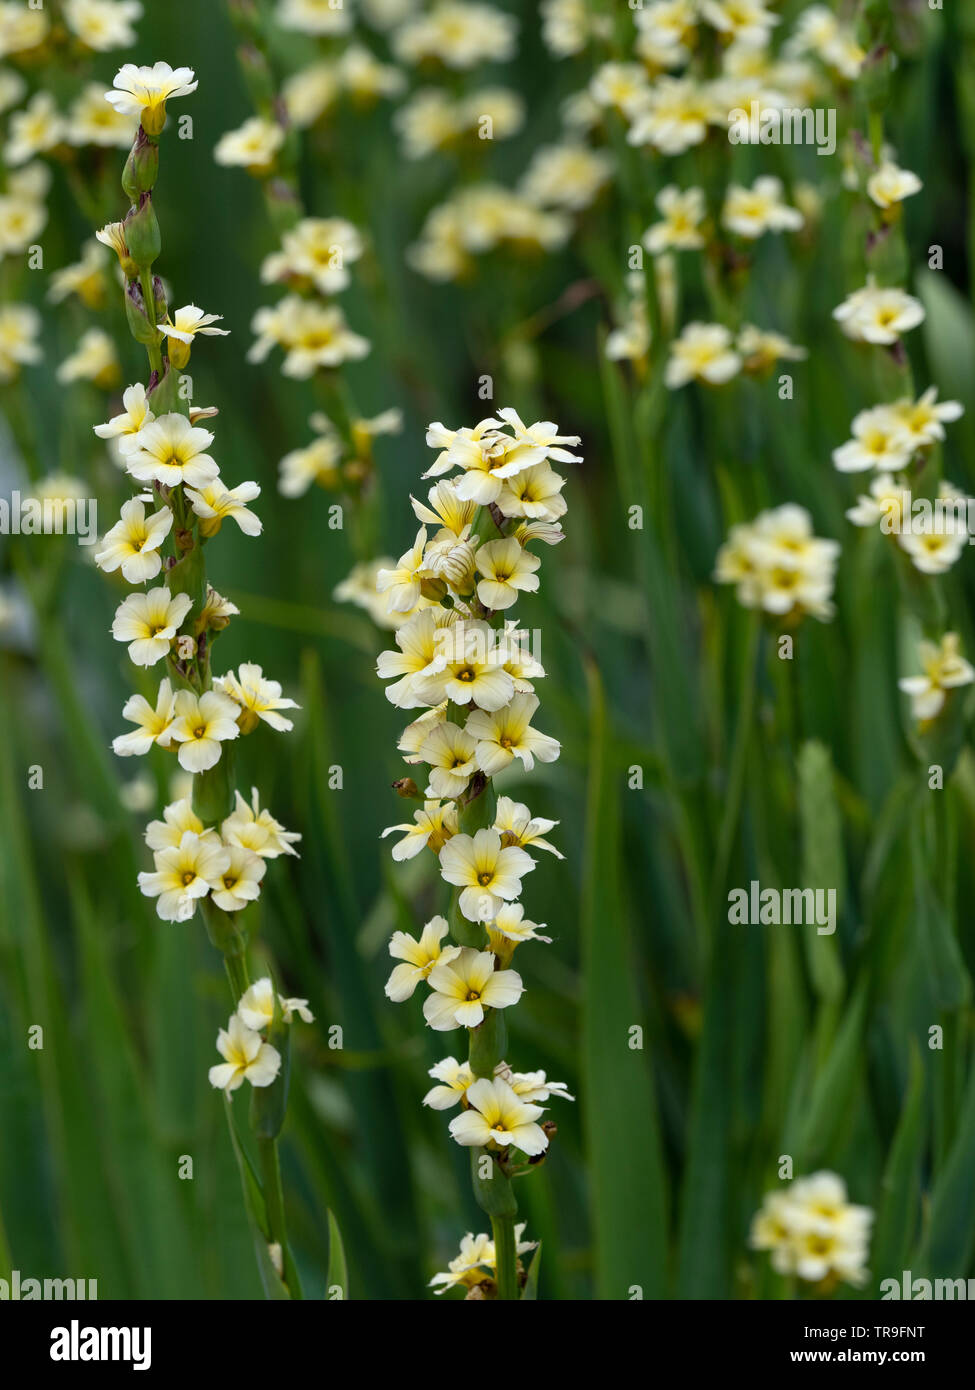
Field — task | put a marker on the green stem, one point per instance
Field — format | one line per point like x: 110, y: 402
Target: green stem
x: 149, y: 298
x: 739, y: 758
x: 236, y: 966
x: 506, y: 1270
x: 274, y: 1202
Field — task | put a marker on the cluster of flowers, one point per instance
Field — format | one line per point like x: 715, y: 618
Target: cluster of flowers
x: 194, y: 719
x: 37, y: 127
x: 247, y: 1056
x: 896, y: 441
x: 779, y: 566
x: 478, y: 219
x: 97, y: 26
x: 313, y: 259
x: 814, y: 1232
x: 465, y: 663
x: 228, y: 864
x: 434, y: 120
x: 475, y: 1268
x: 672, y: 114
x: 181, y: 502
x: 889, y: 438
x: 23, y: 214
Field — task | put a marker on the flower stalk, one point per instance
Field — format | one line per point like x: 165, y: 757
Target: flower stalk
x: 463, y: 660
x: 211, y: 848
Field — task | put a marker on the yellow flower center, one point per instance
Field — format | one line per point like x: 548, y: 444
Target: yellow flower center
x: 189, y: 877
x: 200, y: 731
x: 472, y: 995
x: 484, y: 879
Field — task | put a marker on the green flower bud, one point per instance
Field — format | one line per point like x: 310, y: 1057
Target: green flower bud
x: 142, y: 233
x: 159, y: 295
x: 141, y: 168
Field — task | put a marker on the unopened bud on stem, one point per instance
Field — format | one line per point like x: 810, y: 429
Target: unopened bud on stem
x: 142, y: 233
x: 141, y: 168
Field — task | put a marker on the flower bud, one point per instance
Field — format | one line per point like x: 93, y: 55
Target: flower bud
x: 142, y: 233
x: 179, y: 356
x: 247, y: 721
x: 159, y: 295
x: 433, y: 589
x: 141, y: 167
x: 135, y: 312
x: 113, y: 235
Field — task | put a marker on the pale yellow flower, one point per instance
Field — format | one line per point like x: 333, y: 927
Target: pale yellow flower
x: 239, y: 884
x: 683, y: 213
x: 317, y: 252
x: 464, y: 987
x: 497, y: 1116
x: 418, y: 958
x: 34, y: 130
x: 432, y: 827
x: 247, y: 1056
x: 505, y: 734
x: 91, y: 121
x: 944, y: 669
x: 20, y: 327
x: 149, y: 622
x: 172, y: 451
x: 257, y: 697
x: 132, y: 544
x: 144, y: 91
x: 201, y: 723
x: 487, y: 873
x: 183, y: 874
x: 704, y: 352
x: 152, y: 726
x: 215, y: 503
x: 251, y: 146
x: 254, y: 828
x: 93, y: 360
x: 103, y: 24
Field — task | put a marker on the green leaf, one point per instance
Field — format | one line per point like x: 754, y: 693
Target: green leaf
x: 834, y: 1089
x: 531, y: 1278
x: 628, y: 1183
x: 274, y: 1288
x: 947, y: 1247
x: 337, y: 1280
x: 898, y: 1208
x: 823, y: 866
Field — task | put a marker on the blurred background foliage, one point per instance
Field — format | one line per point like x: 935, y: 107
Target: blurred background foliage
x: 757, y: 1042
